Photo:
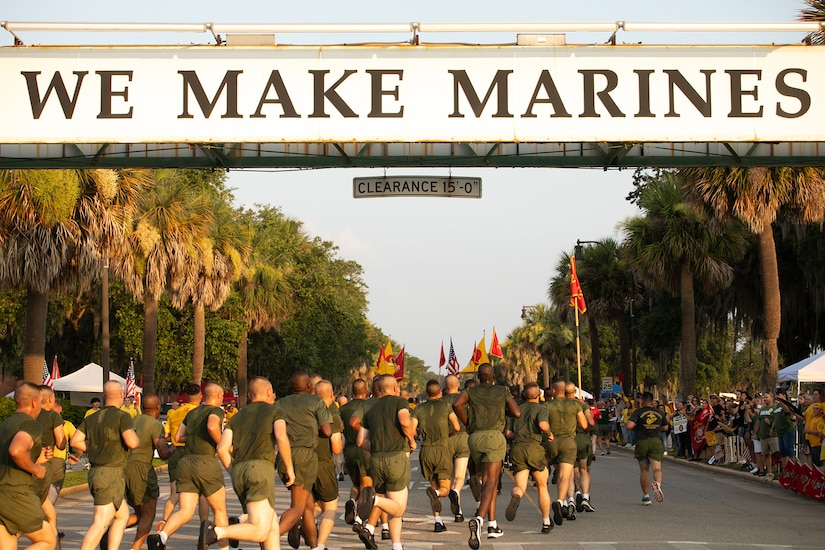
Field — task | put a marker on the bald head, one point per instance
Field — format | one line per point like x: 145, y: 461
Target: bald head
x: 313, y: 381
x: 451, y: 382
x: 112, y: 393
x: 260, y: 390
x: 558, y: 388
x: 485, y: 373
x: 27, y: 399
x: 359, y: 389
x: 213, y: 394
x: 46, y: 397
x: 151, y: 405
x: 323, y: 389
x: 532, y: 391
x: 570, y: 389
x: 299, y: 382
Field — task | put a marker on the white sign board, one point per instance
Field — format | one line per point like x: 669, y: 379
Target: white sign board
x: 607, y: 382
x: 406, y: 93
x: 416, y: 186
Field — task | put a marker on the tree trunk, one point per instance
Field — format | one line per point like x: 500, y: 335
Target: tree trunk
x: 199, y: 343
x: 771, y: 309
x: 624, y: 354
x: 687, y: 347
x: 242, y: 382
x: 595, y: 357
x: 150, y: 344
x: 34, y: 349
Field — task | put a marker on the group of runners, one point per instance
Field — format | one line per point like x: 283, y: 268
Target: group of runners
x: 460, y: 432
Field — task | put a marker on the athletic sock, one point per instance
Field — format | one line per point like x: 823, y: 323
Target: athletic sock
x: 163, y: 537
x: 493, y: 524
x: 385, y: 526
x: 369, y: 528
x: 439, y: 520
x: 547, y: 520
x: 586, y: 496
x: 397, y: 546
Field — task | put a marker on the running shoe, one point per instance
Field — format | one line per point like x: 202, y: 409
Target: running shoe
x: 366, y: 500
x: 571, y: 511
x: 293, y: 536
x: 494, y: 532
x: 439, y: 527
x: 646, y: 500
x: 459, y: 518
x: 154, y: 543
x: 587, y: 506
x: 658, y: 494
x: 234, y: 520
x: 455, y: 507
x: 207, y: 535
x: 512, y: 508
x: 473, y: 541
x: 368, y: 539
x: 547, y: 527
x: 349, y: 512
x: 579, y: 501
x: 385, y: 534
x: 435, y: 502
x: 557, y: 513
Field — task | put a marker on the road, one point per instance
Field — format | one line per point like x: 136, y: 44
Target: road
x: 704, y: 508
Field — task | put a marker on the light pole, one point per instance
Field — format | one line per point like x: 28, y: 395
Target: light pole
x: 632, y: 303
x: 545, y: 371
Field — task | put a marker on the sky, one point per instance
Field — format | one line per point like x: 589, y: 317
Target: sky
x: 436, y: 269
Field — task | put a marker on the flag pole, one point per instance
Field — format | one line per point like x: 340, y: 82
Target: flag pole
x: 578, y: 355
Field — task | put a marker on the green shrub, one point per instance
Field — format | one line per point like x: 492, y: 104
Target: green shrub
x: 7, y: 407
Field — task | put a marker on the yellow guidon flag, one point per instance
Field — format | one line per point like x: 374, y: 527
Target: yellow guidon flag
x: 479, y: 358
x: 386, y: 361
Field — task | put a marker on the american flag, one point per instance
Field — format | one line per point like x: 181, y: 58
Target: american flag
x: 47, y: 376
x: 130, y: 379
x: 452, y: 360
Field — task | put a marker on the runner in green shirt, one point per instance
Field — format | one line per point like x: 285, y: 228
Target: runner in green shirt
x: 325, y: 491
x: 22, y: 457
x: 460, y: 449
x: 354, y: 462
x: 247, y: 451
x: 53, y: 437
x: 106, y: 437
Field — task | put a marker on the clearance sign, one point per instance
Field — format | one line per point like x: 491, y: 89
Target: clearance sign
x: 209, y: 94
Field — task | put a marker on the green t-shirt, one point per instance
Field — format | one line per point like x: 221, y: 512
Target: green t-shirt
x: 304, y: 414
x: 562, y: 413
x: 382, y: 422
x: 253, y: 432
x: 49, y: 420
x: 433, y: 422
x: 450, y: 398
x: 649, y: 422
x: 784, y: 422
x: 104, y: 445
x: 10, y: 473
x: 487, y: 403
x: 347, y: 412
x: 584, y: 407
x: 767, y: 418
x: 526, y: 427
x: 198, y: 440
x: 148, y: 430
x: 324, y: 448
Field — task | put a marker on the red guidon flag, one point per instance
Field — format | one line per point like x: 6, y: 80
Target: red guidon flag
x: 576, y: 296
x: 495, y: 348
x: 399, y: 364
x: 442, y: 360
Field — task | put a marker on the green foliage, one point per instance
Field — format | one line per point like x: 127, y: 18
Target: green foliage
x: 7, y: 407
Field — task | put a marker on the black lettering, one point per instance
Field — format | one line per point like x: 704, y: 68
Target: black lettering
x: 736, y: 93
x: 677, y: 80
x: 59, y: 88
x: 546, y: 83
x: 461, y: 80
x: 789, y: 91
x: 282, y: 96
x: 331, y: 95
x: 106, y: 94
x: 378, y: 93
x: 644, y: 93
x: 230, y: 83
x: 604, y: 95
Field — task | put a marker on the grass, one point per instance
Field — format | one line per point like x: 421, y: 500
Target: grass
x: 80, y: 477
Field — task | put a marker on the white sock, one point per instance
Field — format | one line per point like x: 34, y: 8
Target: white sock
x: 439, y: 520
x: 385, y: 526
x: 163, y: 537
x: 546, y: 521
x: 493, y: 523
x: 586, y: 496
x: 370, y: 528
x: 397, y: 546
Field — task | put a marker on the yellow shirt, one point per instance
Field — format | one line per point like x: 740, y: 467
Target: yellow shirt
x: 132, y: 410
x: 174, y: 418
x: 818, y: 424
x: 813, y: 440
x: 69, y: 428
x: 90, y: 412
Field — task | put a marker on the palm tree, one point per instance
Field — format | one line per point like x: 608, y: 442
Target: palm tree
x: 167, y: 232
x: 52, y: 227
x: 208, y: 281
x: 816, y: 12
x: 757, y: 197
x: 673, y: 246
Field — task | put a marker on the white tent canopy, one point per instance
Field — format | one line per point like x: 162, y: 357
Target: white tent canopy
x: 811, y: 369
x: 88, y: 379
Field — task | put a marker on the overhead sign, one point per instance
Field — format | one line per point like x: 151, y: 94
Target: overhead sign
x: 416, y: 186
x: 407, y: 93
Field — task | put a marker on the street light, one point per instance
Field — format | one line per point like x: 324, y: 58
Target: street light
x: 524, y: 310
x: 579, y: 255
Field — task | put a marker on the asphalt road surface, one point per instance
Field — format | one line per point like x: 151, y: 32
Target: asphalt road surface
x: 704, y: 507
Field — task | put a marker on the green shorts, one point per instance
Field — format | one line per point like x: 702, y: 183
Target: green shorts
x: 487, y: 446
x: 40, y: 487
x: 325, y: 488
x: 107, y: 484
x: 601, y: 430
x: 305, y: 464
x: 562, y: 450
x: 584, y: 447
x: 26, y: 515
x: 648, y: 449
x: 354, y: 460
x: 174, y: 460
x: 458, y: 445
x: 528, y: 456
x: 436, y: 462
x: 141, y: 483
x: 199, y: 474
x: 254, y: 481
x: 390, y: 471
